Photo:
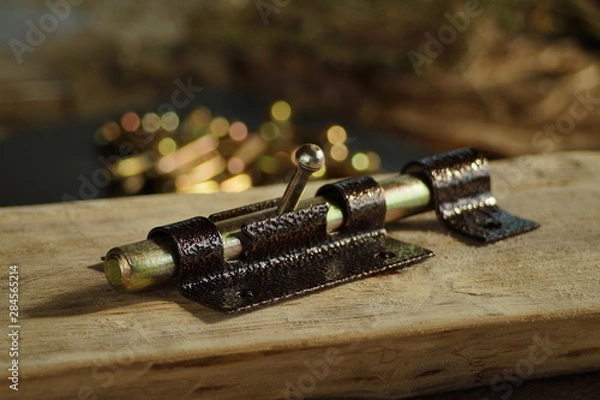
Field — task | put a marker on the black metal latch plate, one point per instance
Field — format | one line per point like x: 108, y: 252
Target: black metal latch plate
x: 288, y: 254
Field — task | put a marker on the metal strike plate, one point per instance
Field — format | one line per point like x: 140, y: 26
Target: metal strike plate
x: 461, y: 192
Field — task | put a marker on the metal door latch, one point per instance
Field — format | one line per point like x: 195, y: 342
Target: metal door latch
x: 253, y: 255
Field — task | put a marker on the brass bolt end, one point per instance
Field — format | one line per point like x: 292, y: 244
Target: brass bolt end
x: 139, y: 265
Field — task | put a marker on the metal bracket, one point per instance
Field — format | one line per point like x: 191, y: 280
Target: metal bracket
x: 461, y: 192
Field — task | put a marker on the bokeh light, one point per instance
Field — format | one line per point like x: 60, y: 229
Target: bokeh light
x: 338, y: 152
x: 235, y: 165
x: 167, y: 146
x: 130, y: 122
x: 219, y: 126
x: 200, y: 117
x: 238, y: 131
x: 238, y: 183
x: 133, y: 184
x: 109, y: 132
x: 269, y: 131
x: 281, y: 111
x: 151, y: 122
x: 169, y: 121
x: 336, y: 135
x: 320, y: 173
x: 360, y: 162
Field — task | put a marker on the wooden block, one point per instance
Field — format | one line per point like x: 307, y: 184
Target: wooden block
x: 525, y: 307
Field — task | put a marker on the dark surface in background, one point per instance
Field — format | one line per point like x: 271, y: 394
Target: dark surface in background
x: 45, y: 165
x: 569, y: 387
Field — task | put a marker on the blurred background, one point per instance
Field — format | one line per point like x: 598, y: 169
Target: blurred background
x: 118, y: 98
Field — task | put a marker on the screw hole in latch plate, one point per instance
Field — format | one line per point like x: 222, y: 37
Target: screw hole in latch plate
x: 246, y: 294
x: 385, y: 255
x: 493, y: 224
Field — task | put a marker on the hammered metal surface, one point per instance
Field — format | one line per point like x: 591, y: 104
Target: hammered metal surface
x: 462, y: 198
x: 199, y: 253
x: 289, y: 254
x: 361, y: 199
x: 313, y: 268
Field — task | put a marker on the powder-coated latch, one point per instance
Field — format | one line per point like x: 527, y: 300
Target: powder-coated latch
x: 257, y: 254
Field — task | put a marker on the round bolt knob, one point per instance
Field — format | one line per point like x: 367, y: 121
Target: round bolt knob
x: 310, y: 157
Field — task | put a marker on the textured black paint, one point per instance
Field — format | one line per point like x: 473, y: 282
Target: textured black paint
x: 289, y: 254
x: 462, y: 198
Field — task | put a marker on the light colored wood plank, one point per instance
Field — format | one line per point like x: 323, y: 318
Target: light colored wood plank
x: 463, y: 318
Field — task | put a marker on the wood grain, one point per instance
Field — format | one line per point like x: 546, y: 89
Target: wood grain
x: 473, y: 315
